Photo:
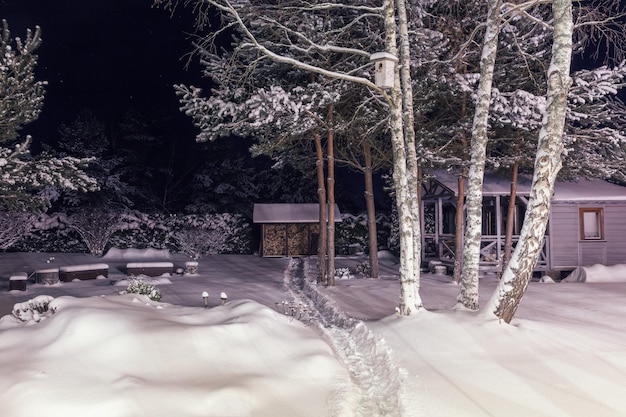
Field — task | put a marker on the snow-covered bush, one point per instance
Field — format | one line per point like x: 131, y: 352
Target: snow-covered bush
x: 14, y: 226
x: 364, y: 269
x: 231, y: 233
x: 200, y: 242
x: 33, y: 310
x: 199, y: 235
x: 141, y: 230
x: 140, y: 286
x: 353, y: 230
x: 95, y: 227
x: 343, y: 273
x: 51, y: 233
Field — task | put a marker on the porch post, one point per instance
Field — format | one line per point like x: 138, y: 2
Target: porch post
x: 498, y: 230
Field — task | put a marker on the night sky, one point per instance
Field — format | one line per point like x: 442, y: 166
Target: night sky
x: 109, y: 56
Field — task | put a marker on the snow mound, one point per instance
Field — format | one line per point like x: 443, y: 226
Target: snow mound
x: 598, y: 273
x: 149, y: 253
x: 125, y: 353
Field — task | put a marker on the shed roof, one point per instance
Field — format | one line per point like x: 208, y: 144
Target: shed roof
x: 564, y: 191
x: 289, y: 213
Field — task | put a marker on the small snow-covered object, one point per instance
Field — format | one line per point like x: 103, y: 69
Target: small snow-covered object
x: 223, y: 297
x: 205, y: 298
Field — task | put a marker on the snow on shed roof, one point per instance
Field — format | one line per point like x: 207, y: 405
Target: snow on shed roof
x: 564, y: 191
x: 289, y: 213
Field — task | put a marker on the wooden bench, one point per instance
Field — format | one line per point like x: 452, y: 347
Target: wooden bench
x: 17, y: 282
x: 83, y: 272
x: 151, y: 269
x: 47, y: 276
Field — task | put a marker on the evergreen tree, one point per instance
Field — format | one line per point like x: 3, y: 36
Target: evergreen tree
x: 21, y: 96
x: 29, y: 182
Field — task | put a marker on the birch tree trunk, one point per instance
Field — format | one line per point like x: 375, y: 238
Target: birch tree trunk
x: 409, y: 136
x: 512, y: 286
x: 371, y: 211
x: 468, y: 296
x: 322, y: 240
x: 410, y: 300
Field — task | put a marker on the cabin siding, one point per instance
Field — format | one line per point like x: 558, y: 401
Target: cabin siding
x: 565, y: 249
x: 615, y: 232
x: 592, y: 253
x: 564, y: 236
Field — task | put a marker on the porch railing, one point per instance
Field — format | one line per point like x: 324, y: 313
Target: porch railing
x: 491, y: 251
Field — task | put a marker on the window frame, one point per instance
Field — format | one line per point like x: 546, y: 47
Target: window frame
x: 599, y: 211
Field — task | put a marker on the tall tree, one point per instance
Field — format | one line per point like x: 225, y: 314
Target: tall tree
x: 29, y: 182
x: 468, y: 296
x: 515, y: 279
x: 21, y: 95
x: 271, y: 31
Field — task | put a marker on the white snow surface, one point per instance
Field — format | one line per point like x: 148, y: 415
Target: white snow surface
x: 87, y: 351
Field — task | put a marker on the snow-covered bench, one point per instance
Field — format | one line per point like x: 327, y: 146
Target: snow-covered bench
x: 18, y: 281
x: 151, y: 269
x: 47, y: 276
x: 82, y: 272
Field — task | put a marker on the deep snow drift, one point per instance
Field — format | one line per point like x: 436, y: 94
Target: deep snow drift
x: 126, y: 356
x: 563, y: 355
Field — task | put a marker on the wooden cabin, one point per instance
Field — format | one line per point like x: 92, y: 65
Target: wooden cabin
x: 587, y: 223
x: 289, y: 229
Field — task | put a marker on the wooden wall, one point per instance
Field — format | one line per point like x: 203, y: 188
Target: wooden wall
x: 289, y: 239
x: 568, y: 251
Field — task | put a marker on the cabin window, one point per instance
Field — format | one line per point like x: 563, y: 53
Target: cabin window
x: 591, y: 224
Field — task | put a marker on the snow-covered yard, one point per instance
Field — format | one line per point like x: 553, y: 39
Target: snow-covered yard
x: 105, y: 354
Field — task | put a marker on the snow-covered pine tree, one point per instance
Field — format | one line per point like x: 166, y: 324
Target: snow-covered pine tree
x: 29, y: 182
x: 21, y: 96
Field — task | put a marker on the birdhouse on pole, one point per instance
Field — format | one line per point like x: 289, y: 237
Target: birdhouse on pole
x: 384, y: 66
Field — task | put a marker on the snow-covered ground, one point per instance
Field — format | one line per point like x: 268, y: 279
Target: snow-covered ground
x: 105, y: 354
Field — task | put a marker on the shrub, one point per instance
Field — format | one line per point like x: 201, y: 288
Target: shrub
x: 364, y: 269
x: 226, y: 233
x: 343, y: 273
x: 139, y: 286
x: 353, y: 229
x: 95, y: 227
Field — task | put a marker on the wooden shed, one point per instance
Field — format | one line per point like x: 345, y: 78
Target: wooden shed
x: 587, y: 223
x: 289, y: 229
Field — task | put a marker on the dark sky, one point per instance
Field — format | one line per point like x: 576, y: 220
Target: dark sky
x: 106, y: 55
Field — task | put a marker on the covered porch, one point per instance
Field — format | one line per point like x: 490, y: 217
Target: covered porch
x: 439, y: 209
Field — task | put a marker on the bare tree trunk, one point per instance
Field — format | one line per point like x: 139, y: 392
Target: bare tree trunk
x: 468, y: 296
x: 458, y: 228
x: 371, y: 211
x: 515, y: 279
x: 330, y: 189
x: 510, y: 219
x: 410, y: 300
x: 321, y: 196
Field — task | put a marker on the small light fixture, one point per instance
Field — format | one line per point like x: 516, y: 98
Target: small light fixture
x: 384, y: 69
x: 205, y: 298
x: 223, y: 297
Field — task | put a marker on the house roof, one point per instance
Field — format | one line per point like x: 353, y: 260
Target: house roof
x: 564, y: 191
x: 289, y: 213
